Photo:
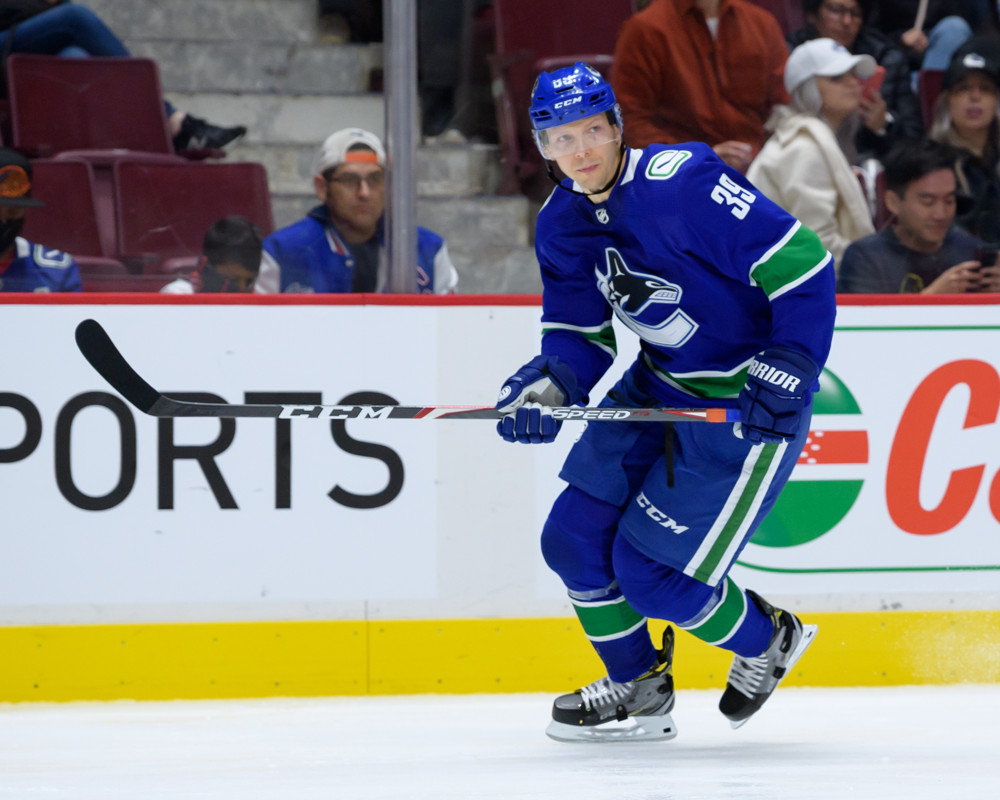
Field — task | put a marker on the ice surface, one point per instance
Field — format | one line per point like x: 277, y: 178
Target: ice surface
x: 915, y: 743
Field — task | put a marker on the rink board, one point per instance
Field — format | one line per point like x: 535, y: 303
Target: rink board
x: 145, y: 558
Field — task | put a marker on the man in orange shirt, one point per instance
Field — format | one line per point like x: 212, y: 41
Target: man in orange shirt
x: 700, y: 70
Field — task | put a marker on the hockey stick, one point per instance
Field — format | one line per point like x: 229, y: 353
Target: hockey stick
x: 104, y: 356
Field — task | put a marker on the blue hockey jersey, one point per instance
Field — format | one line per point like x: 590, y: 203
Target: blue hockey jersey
x: 692, y: 258
x: 35, y: 268
x: 310, y: 256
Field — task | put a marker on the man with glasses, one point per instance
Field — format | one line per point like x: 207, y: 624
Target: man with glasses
x: 340, y: 244
x: 889, y: 113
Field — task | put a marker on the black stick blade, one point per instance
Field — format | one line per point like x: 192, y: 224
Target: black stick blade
x: 100, y: 351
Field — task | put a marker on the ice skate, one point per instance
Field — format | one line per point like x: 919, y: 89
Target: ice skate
x: 608, y: 711
x: 752, y: 680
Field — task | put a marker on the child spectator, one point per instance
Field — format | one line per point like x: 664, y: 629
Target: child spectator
x: 229, y: 262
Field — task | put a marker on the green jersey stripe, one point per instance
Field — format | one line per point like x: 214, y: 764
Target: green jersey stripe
x: 719, y: 547
x: 725, y: 619
x: 603, y: 336
x: 607, y: 620
x: 796, y: 257
x: 704, y: 384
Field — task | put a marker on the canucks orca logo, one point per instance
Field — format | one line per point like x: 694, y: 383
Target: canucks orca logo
x: 647, y: 304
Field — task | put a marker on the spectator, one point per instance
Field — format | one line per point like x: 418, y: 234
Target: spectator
x: 802, y: 167
x: 229, y: 262
x: 892, y: 113
x: 27, y: 267
x: 338, y: 246
x: 59, y: 27
x: 965, y: 116
x: 922, y: 251
x: 700, y: 70
x: 945, y: 30
x: 358, y: 21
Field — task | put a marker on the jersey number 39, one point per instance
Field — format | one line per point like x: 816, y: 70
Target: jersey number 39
x: 728, y: 192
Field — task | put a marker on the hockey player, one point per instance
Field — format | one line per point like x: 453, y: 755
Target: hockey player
x: 733, y: 301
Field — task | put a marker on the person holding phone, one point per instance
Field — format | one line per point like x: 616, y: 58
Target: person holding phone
x: 889, y: 108
x: 922, y: 252
x: 803, y: 167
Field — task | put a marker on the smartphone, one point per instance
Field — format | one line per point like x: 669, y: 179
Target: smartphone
x: 873, y: 82
x: 987, y: 255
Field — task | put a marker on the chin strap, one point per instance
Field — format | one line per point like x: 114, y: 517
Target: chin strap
x: 618, y: 171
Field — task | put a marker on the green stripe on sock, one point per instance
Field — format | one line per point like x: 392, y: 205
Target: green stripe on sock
x: 722, y: 542
x: 607, y: 620
x: 725, y: 618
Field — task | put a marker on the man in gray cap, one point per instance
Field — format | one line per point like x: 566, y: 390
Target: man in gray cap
x: 27, y: 267
x: 340, y: 244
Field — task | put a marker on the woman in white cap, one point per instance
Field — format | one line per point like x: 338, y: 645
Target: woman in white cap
x: 803, y: 166
x: 966, y: 117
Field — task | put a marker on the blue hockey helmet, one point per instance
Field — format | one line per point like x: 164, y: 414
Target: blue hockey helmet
x: 569, y: 94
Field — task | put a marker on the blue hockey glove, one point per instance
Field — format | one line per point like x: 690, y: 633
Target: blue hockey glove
x: 528, y: 394
x: 773, y: 400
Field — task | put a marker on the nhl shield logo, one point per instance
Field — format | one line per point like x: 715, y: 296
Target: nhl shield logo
x: 602, y: 216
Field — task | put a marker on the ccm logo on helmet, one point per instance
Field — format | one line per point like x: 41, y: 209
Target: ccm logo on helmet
x: 768, y: 374
x: 570, y: 102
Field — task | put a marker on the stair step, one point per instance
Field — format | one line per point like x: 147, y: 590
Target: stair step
x: 296, y: 119
x: 248, y: 21
x: 287, y: 67
x: 508, y: 270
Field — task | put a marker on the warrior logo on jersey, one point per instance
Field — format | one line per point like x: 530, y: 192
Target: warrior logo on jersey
x: 647, y: 304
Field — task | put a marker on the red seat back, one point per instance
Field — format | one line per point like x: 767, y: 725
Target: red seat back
x: 98, y: 278
x: 61, y: 104
x: 531, y: 37
x: 163, y: 210
x: 69, y: 221
x: 930, y: 82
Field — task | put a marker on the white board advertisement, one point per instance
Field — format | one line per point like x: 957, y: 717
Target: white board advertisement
x: 111, y: 515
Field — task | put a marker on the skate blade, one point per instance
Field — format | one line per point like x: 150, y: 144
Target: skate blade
x: 808, y: 635
x: 658, y: 728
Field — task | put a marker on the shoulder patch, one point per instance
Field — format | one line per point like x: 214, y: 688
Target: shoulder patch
x: 664, y: 165
x: 51, y: 259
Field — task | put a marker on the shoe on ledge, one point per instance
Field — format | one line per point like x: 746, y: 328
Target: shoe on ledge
x: 197, y: 134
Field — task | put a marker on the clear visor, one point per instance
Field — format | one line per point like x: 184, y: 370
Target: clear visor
x: 576, y: 137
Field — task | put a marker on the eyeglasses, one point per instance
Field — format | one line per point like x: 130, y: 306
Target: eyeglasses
x: 353, y: 182
x: 838, y: 10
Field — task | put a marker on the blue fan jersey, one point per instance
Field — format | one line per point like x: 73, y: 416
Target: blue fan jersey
x: 691, y: 257
x: 35, y: 268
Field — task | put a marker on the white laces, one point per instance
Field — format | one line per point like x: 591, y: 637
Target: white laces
x: 604, y: 692
x: 747, y: 675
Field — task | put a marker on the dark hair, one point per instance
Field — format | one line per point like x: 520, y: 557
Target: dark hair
x: 911, y: 159
x: 812, y: 7
x: 233, y: 239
